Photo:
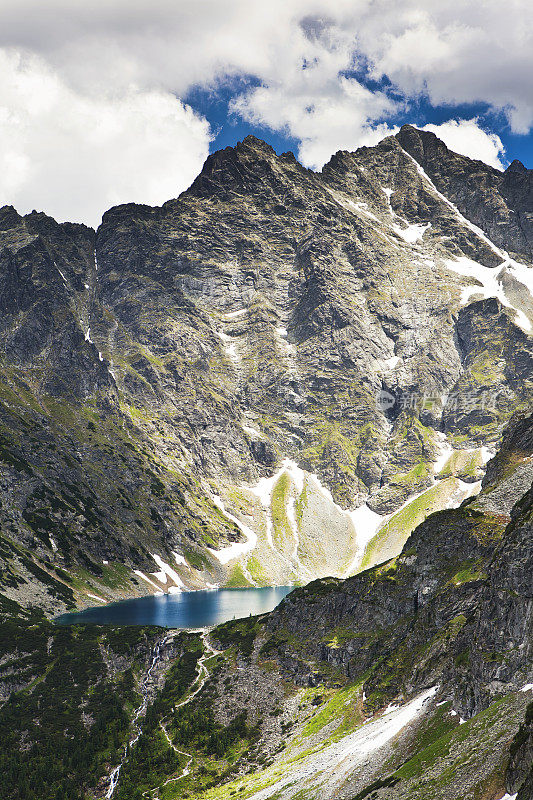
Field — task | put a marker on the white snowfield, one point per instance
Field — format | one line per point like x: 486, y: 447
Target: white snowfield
x: 295, y: 558
x: 235, y: 549
x: 167, y: 572
x: 364, y: 521
x: 517, y: 277
x: 494, y: 282
x: 321, y: 775
x: 147, y: 580
x: 366, y: 524
x: 412, y: 233
x: 445, y: 453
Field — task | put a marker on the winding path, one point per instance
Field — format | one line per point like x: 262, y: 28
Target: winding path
x: 198, y: 684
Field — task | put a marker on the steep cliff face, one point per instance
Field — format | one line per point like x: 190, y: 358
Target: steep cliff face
x: 500, y: 203
x: 273, y: 378
x: 459, y: 595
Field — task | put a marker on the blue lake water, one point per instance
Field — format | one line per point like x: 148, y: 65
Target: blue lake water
x: 185, y: 610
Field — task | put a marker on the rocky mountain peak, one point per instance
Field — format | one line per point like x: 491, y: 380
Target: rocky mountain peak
x: 499, y: 203
x: 421, y: 144
x: 9, y: 218
x: 254, y: 322
x: 516, y: 166
x: 235, y: 169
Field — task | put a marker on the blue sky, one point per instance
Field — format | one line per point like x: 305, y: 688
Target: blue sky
x: 228, y: 128
x: 122, y: 100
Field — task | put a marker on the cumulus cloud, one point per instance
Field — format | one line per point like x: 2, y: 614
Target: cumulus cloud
x: 331, y: 73
x: 311, y: 95
x: 75, y: 155
x: 467, y: 137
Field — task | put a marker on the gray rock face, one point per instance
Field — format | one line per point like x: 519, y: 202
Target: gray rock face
x: 501, y: 203
x: 182, y: 353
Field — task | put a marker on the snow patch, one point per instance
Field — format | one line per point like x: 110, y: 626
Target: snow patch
x: 491, y: 280
x: 392, y: 363
x: 167, y: 570
x: 463, y: 491
x: 95, y: 597
x: 55, y: 265
x: 388, y: 364
x: 252, y: 432
x: 366, y: 524
x: 147, y: 579
x: 463, y: 219
x: 235, y: 549
x: 527, y: 688
x: 445, y: 453
x: 233, y: 314
x: 362, y: 208
x: 230, y: 347
x: 179, y: 559
x: 330, y: 767
x: 285, y: 345
x: 263, y: 491
x: 412, y: 233
x: 486, y: 454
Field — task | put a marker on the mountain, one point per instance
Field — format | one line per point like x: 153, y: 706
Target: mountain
x: 410, y: 680
x: 281, y: 376
x: 191, y: 393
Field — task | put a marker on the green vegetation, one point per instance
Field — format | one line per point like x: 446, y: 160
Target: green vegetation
x: 341, y: 711
x: 470, y: 572
x: 71, y: 718
x: 153, y: 758
x: 282, y: 533
x: 392, y: 536
x: 240, y: 633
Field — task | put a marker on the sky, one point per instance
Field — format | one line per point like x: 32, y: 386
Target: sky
x: 119, y: 101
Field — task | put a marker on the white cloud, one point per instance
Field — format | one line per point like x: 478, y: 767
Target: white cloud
x: 318, y: 105
x: 465, y: 136
x: 75, y: 155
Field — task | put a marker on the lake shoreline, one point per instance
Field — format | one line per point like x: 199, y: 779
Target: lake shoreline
x: 200, y: 608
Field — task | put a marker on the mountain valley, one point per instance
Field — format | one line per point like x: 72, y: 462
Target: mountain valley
x: 281, y: 377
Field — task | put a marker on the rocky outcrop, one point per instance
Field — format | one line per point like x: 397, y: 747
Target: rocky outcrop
x: 454, y: 608
x: 500, y: 203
